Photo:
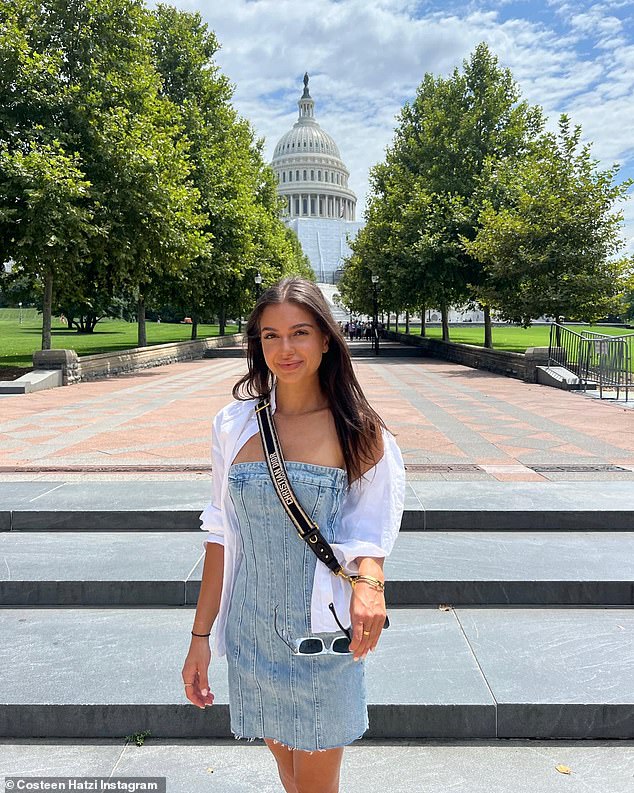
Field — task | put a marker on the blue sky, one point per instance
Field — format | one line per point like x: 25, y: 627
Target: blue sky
x: 366, y: 58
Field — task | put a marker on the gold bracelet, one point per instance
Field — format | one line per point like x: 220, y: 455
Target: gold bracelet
x: 370, y: 580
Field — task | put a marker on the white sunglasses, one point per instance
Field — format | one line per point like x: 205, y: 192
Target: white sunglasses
x: 315, y: 645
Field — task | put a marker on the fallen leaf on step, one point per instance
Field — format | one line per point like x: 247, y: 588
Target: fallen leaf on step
x: 563, y: 769
x: 444, y: 607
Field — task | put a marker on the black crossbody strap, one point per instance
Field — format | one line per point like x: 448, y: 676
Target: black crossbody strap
x: 307, y: 529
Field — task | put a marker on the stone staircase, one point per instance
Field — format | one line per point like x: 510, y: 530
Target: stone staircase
x: 510, y: 607
x: 330, y: 292
x: 358, y: 349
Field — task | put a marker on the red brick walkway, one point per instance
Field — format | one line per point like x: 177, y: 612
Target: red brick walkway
x: 452, y: 422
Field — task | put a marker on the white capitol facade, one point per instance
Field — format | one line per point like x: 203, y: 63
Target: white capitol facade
x: 313, y: 180
x: 310, y: 173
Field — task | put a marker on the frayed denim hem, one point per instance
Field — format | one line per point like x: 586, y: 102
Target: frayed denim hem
x: 290, y: 748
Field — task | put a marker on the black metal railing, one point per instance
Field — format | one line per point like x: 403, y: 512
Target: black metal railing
x: 594, y: 357
x: 566, y: 348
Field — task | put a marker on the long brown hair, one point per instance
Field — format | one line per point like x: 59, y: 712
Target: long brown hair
x: 358, y: 424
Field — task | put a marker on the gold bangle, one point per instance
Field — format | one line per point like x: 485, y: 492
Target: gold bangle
x: 371, y: 578
x: 371, y: 581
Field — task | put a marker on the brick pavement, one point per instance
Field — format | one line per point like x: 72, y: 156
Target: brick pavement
x: 452, y: 422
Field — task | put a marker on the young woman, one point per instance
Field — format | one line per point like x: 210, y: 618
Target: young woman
x: 261, y: 581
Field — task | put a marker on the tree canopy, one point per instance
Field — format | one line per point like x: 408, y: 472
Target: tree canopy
x: 124, y: 169
x: 449, y: 201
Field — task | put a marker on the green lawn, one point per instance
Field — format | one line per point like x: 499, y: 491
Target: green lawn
x: 19, y: 341
x: 508, y: 337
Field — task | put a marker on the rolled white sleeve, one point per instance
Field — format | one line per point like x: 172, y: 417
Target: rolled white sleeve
x: 373, y: 509
x: 211, y: 517
x: 371, y: 515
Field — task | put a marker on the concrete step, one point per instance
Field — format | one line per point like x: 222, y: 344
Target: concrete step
x: 358, y: 349
x: 387, y: 349
x: 225, y: 352
x: 401, y: 766
x: 456, y: 568
x: 37, y: 380
x: 429, y: 506
x: 560, y: 377
x: 438, y: 673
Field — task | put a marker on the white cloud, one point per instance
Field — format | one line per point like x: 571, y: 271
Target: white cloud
x: 366, y: 58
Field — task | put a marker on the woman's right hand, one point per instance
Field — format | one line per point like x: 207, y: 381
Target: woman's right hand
x: 195, y: 671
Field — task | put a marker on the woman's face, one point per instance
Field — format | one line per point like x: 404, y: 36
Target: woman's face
x: 292, y: 342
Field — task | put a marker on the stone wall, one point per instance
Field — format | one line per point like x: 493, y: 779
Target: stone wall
x: 512, y: 364
x: 77, y: 369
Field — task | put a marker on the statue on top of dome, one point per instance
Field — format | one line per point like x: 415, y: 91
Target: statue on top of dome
x: 306, y: 94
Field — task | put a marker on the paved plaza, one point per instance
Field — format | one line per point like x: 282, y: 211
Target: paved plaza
x: 451, y: 422
x: 509, y: 662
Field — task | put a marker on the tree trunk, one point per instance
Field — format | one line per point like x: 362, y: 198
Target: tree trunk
x: 222, y: 320
x: 141, y: 336
x: 388, y: 320
x: 194, y: 335
x: 47, y: 310
x: 396, y: 322
x: 407, y: 321
x: 445, y: 321
x: 423, y: 329
x: 488, y: 337
x: 240, y: 324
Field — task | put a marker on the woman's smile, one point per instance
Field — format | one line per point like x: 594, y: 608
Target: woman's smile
x: 288, y: 330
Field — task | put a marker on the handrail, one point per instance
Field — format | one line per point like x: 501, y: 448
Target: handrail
x: 594, y: 356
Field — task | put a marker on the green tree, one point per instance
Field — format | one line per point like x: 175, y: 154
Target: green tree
x: 426, y: 197
x: 550, y: 243
x: 53, y: 216
x: 236, y: 188
x: 627, y: 297
x: 78, y: 79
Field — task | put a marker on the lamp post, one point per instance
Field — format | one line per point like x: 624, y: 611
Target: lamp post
x: 258, y: 286
x: 375, y: 321
x: 20, y: 304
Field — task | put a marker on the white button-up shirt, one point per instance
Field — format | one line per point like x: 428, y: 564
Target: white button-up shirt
x: 370, y: 517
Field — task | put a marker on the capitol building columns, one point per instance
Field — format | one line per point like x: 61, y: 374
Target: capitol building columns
x: 322, y: 205
x: 319, y: 205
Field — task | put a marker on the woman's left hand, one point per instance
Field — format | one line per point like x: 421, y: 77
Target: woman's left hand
x: 367, y: 613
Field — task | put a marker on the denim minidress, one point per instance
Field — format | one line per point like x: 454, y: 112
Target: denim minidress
x: 311, y: 703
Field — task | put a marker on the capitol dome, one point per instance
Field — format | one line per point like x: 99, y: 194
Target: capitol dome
x: 311, y: 176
